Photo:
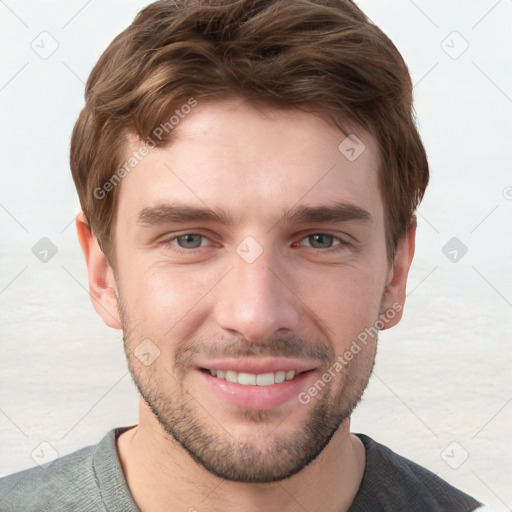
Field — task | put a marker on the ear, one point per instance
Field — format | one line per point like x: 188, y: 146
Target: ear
x: 102, y: 285
x: 394, y: 296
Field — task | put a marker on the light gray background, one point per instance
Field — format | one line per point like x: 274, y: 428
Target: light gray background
x: 442, y: 388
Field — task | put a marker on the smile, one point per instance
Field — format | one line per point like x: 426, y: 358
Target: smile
x: 252, y: 379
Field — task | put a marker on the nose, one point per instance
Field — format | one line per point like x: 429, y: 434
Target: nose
x: 256, y: 298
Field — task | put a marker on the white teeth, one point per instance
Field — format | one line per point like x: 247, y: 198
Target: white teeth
x: 251, y: 379
x: 265, y: 379
x: 247, y: 378
x: 231, y: 376
x: 280, y: 377
x: 290, y: 375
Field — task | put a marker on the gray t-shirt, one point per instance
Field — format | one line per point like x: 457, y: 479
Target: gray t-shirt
x: 91, y: 480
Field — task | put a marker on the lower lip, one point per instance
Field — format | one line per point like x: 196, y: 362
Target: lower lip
x: 256, y: 397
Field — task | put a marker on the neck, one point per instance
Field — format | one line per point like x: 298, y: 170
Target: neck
x: 162, y: 476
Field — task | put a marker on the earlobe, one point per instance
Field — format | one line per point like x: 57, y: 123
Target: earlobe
x: 394, y: 298
x: 102, y: 286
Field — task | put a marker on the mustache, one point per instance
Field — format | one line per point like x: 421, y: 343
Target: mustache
x: 284, y: 346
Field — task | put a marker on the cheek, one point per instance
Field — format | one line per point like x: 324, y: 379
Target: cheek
x: 164, y: 300
x: 344, y: 301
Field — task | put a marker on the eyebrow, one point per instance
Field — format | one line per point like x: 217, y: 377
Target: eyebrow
x: 168, y: 213
x: 338, y: 212
x: 303, y: 214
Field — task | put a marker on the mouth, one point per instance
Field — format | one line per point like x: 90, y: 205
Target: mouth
x: 258, y: 384
x: 254, y: 379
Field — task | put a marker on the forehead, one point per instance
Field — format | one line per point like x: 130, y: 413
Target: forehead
x: 254, y: 163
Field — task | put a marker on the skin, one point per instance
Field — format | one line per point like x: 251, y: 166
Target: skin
x: 310, y: 294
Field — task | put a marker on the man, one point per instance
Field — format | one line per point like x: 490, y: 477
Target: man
x: 248, y: 173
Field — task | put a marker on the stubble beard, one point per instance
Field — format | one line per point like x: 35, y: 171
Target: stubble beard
x: 200, y: 433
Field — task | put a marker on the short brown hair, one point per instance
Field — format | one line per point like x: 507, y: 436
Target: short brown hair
x: 318, y: 55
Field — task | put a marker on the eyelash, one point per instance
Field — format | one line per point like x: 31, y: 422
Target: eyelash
x: 169, y: 242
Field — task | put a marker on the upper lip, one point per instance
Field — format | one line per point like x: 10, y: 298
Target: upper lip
x: 257, y: 365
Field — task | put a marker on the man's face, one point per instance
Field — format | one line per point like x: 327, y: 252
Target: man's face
x: 276, y: 284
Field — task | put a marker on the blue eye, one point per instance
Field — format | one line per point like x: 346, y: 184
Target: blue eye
x: 189, y: 241
x: 323, y: 241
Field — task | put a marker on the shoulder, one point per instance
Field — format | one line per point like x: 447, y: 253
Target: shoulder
x: 392, y: 482
x: 68, y: 483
